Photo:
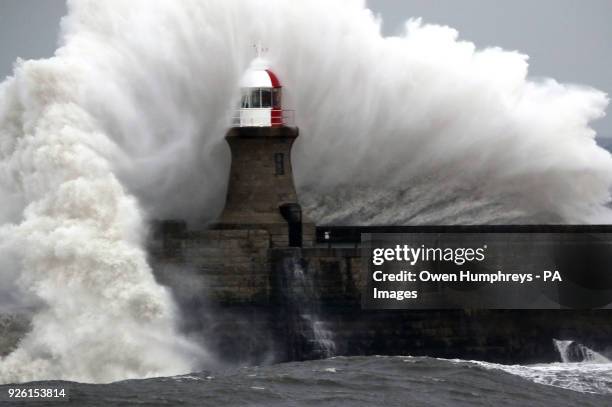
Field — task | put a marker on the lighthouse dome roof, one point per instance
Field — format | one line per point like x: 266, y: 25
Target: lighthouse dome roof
x: 259, y: 75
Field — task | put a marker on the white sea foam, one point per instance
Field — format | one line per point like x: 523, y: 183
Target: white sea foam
x: 581, y: 377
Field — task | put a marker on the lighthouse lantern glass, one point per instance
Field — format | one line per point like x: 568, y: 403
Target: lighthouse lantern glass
x: 276, y: 98
x: 260, y: 104
x: 266, y: 97
x: 246, y: 100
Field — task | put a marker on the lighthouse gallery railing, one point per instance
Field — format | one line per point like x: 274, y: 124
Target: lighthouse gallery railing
x: 278, y: 117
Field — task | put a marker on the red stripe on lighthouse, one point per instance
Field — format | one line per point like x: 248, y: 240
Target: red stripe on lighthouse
x: 273, y: 79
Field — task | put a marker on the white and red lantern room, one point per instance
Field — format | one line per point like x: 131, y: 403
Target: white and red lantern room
x: 261, y: 97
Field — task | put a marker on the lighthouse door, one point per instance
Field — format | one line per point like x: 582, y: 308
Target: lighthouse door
x: 292, y: 212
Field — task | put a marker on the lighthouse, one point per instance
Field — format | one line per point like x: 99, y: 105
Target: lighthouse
x: 261, y: 194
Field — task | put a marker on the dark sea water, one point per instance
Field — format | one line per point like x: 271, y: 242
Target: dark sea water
x: 359, y: 381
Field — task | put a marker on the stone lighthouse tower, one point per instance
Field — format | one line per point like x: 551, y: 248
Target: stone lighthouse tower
x: 261, y: 194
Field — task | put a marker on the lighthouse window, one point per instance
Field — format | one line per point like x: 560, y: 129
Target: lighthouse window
x: 279, y: 163
x: 276, y: 98
x: 245, y: 102
x: 256, y: 98
x: 266, y: 98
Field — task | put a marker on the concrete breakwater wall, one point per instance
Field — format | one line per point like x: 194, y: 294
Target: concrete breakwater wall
x: 252, y: 303
x: 255, y: 303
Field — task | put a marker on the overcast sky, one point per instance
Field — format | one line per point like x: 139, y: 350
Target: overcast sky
x: 569, y: 40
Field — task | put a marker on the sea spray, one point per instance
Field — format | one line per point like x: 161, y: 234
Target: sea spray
x: 100, y: 315
x: 308, y: 336
x: 419, y: 128
x: 574, y: 352
x: 131, y: 112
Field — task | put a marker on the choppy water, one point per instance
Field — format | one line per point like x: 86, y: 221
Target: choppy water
x: 364, y: 381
